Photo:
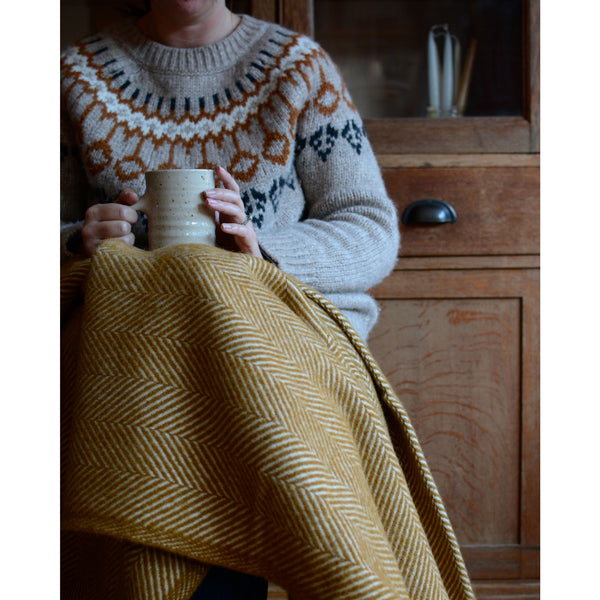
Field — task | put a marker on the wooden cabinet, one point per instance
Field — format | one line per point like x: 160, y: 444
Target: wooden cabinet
x: 458, y: 338
x: 458, y: 334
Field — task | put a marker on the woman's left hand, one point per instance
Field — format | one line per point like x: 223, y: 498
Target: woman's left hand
x: 234, y: 230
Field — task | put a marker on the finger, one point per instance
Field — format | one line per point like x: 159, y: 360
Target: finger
x: 227, y: 180
x: 238, y: 229
x: 127, y: 196
x: 244, y: 236
x: 111, y: 212
x: 107, y: 229
x: 225, y: 195
x: 228, y: 208
x: 93, y: 235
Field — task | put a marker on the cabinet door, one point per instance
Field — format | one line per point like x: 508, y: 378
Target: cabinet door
x: 459, y: 346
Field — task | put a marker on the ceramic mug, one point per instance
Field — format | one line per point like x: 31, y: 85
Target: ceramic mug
x: 175, y: 207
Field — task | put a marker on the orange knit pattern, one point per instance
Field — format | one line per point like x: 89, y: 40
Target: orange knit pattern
x: 105, y: 132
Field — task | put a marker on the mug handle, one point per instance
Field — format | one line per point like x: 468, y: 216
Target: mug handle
x: 141, y: 204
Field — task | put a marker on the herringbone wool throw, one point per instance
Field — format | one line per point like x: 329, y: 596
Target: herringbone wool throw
x: 218, y: 411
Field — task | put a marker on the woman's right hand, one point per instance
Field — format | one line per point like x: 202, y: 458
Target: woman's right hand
x: 113, y: 220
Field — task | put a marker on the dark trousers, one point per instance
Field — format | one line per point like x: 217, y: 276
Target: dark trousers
x: 223, y: 584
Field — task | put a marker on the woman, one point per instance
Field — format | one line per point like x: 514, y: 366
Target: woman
x: 191, y: 85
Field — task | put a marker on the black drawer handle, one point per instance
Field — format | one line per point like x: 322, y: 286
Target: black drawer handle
x: 428, y: 212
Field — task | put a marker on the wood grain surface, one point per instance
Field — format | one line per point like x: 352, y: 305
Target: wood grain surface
x: 497, y: 210
x: 456, y: 366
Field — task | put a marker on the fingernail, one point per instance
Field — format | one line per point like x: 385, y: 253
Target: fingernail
x: 227, y: 226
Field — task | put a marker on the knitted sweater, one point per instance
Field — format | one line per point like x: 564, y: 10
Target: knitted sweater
x: 265, y: 103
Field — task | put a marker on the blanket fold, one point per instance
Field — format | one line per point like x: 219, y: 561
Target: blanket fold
x: 216, y: 411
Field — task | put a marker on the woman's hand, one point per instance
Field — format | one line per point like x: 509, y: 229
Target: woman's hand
x: 234, y: 230
x: 113, y: 220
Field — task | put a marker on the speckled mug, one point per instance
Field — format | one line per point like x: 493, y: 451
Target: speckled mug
x: 175, y: 207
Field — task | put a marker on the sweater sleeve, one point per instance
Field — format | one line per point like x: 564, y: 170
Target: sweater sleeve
x: 348, y: 240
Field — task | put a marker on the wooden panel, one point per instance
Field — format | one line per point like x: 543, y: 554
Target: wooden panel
x: 532, y: 71
x: 510, y: 562
x: 261, y: 9
x: 456, y: 366
x: 530, y: 445
x: 471, y: 283
x: 497, y: 210
x: 449, y: 136
x: 458, y: 160
x: 297, y: 15
x: 507, y: 590
x: 461, y: 348
x: 436, y: 263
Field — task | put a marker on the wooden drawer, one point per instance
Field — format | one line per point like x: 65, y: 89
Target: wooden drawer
x: 497, y: 210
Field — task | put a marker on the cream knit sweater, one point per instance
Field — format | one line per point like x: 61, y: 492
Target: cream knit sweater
x: 266, y: 104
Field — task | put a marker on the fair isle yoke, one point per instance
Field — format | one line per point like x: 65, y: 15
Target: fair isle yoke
x: 269, y: 106
x: 166, y: 128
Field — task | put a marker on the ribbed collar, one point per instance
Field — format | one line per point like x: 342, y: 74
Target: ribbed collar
x: 203, y: 59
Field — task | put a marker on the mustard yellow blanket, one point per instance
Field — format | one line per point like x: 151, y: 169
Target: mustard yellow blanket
x: 218, y: 411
